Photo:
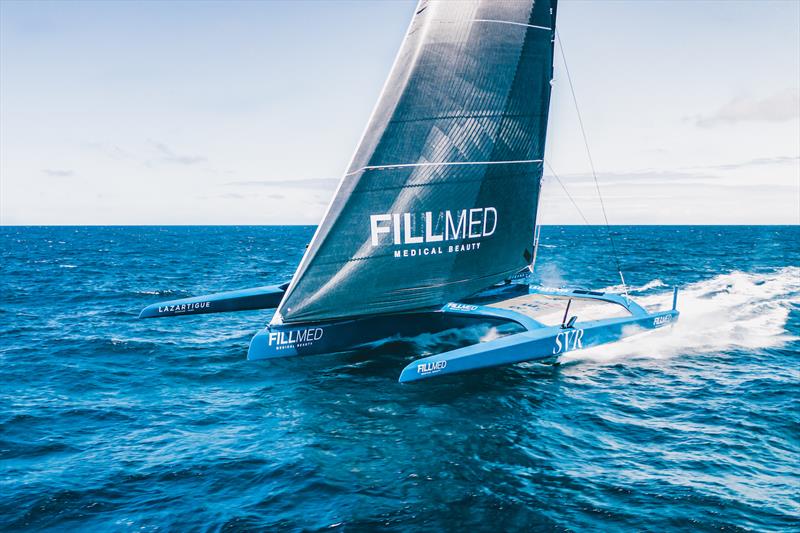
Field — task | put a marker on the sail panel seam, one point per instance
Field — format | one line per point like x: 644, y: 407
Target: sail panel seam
x: 514, y: 24
x: 444, y: 163
x: 486, y: 115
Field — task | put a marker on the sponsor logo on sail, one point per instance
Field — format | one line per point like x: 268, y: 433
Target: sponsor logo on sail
x: 295, y: 338
x: 431, y: 367
x: 431, y: 233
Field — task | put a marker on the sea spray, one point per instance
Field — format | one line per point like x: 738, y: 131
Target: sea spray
x: 734, y: 311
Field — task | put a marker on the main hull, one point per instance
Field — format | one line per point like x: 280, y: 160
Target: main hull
x: 343, y: 336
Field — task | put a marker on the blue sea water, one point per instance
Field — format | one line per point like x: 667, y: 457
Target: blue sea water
x: 115, y: 424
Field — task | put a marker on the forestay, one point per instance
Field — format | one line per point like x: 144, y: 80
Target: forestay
x: 440, y: 198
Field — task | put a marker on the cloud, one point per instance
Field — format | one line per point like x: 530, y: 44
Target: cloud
x: 633, y: 177
x: 303, y: 183
x: 112, y: 151
x: 684, y: 175
x: 232, y: 196
x: 779, y: 107
x: 58, y: 173
x: 239, y: 196
x: 163, y: 154
x: 759, y: 162
x: 167, y: 155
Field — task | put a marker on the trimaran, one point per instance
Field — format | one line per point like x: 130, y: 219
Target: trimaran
x: 433, y: 226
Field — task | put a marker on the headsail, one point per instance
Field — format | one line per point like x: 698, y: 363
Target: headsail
x: 440, y: 198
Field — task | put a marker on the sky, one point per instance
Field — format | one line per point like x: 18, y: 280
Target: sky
x: 249, y: 112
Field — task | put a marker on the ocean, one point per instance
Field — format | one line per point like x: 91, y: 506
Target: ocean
x: 112, y: 423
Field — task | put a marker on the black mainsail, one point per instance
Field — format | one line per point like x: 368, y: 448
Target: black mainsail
x: 440, y: 198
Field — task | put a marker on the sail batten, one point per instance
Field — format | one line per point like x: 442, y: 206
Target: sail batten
x: 443, y: 164
x: 441, y: 194
x: 513, y: 23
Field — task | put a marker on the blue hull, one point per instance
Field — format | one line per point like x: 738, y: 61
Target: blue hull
x: 342, y: 336
x: 532, y: 345
x: 221, y: 302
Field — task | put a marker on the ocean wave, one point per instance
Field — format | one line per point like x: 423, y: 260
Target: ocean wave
x: 109, y: 422
x: 154, y: 292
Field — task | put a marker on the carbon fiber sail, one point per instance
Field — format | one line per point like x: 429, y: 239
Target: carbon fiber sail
x: 440, y: 198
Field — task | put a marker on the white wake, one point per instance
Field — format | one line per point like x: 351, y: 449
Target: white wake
x: 740, y: 310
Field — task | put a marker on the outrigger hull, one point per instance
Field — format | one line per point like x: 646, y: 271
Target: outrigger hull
x: 532, y: 345
x: 221, y: 302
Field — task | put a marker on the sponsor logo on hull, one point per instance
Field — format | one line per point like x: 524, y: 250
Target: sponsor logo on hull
x: 662, y: 320
x: 184, y: 308
x: 427, y: 233
x: 569, y: 339
x: 295, y: 338
x: 461, y: 307
x: 431, y: 367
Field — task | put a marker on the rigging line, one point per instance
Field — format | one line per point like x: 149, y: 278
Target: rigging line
x: 538, y: 228
x: 577, y: 208
x: 571, y: 199
x: 591, y: 164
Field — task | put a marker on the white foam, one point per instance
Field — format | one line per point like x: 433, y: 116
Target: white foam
x: 739, y: 310
x: 654, y: 284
